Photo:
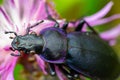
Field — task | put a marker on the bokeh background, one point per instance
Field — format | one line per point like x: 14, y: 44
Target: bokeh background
x: 73, y: 10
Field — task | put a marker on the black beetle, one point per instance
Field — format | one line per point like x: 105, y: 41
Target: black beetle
x: 74, y: 53
x: 80, y: 52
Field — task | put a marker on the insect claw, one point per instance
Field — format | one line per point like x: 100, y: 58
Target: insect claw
x: 11, y: 49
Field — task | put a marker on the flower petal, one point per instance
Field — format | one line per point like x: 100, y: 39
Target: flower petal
x: 41, y: 64
x: 60, y: 75
x: 45, y: 24
x: 100, y: 14
x: 111, y: 34
x: 7, y: 64
x: 40, y: 12
x: 4, y: 19
x: 105, y: 20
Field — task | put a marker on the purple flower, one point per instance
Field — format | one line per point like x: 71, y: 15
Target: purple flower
x: 17, y: 15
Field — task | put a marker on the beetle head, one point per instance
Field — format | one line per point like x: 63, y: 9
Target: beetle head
x: 28, y: 43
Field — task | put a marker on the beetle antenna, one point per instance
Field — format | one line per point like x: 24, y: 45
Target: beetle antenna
x: 50, y: 17
x: 34, y: 25
x: 6, y: 32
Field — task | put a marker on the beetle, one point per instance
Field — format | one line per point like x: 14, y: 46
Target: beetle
x: 81, y: 52
x: 74, y: 53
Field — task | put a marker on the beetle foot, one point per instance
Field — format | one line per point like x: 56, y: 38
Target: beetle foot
x: 11, y: 49
x: 16, y: 55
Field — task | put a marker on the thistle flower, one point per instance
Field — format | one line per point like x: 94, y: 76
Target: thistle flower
x: 17, y: 15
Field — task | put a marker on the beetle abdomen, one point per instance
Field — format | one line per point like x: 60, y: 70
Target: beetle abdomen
x: 91, y: 56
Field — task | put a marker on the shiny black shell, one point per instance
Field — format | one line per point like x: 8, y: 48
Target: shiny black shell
x: 89, y: 55
x: 84, y: 52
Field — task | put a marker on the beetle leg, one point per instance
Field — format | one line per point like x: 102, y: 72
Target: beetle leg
x: 65, y: 25
x: 16, y: 54
x: 50, y: 17
x: 11, y: 49
x: 51, y: 69
x: 12, y: 54
x: 71, y: 74
x: 65, y: 72
x: 81, y: 25
x: 74, y: 73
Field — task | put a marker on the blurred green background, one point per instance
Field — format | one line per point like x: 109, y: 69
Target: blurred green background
x: 1, y: 1
x: 73, y: 10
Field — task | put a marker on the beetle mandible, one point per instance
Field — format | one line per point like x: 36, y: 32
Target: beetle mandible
x: 79, y: 52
